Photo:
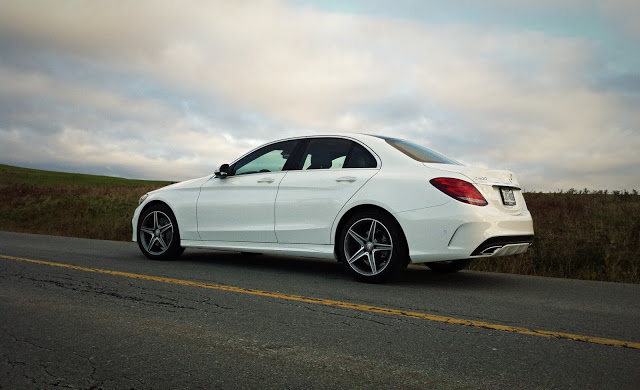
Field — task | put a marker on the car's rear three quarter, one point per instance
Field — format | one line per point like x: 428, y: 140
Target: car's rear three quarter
x: 485, y: 214
x: 449, y: 211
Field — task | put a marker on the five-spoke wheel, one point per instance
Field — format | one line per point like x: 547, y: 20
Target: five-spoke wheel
x: 158, y: 235
x: 372, y: 246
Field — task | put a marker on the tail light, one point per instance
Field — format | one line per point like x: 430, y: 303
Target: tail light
x: 459, y: 190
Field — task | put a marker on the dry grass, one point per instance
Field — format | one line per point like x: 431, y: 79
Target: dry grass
x: 69, y: 204
x: 78, y: 211
x: 592, y: 236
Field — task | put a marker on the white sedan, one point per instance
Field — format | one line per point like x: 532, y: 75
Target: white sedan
x: 374, y: 203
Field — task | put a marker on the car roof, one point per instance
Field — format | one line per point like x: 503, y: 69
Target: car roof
x: 386, y: 154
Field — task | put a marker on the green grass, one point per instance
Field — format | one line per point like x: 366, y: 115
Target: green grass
x: 15, y: 175
x: 593, y: 236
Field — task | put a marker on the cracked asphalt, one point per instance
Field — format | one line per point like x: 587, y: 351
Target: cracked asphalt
x: 68, y: 328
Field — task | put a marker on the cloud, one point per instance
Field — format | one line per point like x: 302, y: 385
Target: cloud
x: 175, y: 88
x: 623, y: 12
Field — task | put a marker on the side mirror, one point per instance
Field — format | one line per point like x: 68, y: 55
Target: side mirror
x: 223, y: 171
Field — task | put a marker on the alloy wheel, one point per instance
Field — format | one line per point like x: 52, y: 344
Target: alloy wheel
x: 368, y: 247
x: 156, y: 232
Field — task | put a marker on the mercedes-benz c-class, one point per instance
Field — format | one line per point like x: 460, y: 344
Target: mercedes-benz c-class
x: 373, y: 203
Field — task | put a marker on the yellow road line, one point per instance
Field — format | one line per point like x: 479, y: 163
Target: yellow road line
x: 348, y: 305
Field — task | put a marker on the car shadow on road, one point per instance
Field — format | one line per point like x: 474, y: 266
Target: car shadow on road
x: 419, y: 274
x: 414, y: 275
x: 259, y: 262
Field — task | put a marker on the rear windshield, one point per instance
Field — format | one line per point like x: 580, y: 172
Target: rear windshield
x: 419, y: 153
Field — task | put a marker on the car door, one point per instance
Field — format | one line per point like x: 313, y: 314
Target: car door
x: 240, y: 207
x: 330, y: 171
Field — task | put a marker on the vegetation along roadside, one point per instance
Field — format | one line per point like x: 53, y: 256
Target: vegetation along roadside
x: 579, y: 234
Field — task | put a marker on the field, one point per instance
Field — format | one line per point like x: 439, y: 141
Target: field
x: 579, y: 234
x: 67, y: 204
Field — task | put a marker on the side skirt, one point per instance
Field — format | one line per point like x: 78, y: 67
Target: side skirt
x: 302, y: 250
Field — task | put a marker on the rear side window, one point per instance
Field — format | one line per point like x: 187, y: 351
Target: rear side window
x: 335, y: 153
x: 325, y: 153
x: 419, y: 153
x: 360, y: 158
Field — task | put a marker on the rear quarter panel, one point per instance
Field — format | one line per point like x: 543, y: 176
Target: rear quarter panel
x: 397, y: 191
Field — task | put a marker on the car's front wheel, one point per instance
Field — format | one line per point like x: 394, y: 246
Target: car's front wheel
x: 372, y: 247
x: 158, y: 234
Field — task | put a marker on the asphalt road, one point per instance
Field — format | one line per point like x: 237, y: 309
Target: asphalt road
x: 225, y: 321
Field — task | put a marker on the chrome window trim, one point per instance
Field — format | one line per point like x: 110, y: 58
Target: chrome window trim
x: 378, y: 161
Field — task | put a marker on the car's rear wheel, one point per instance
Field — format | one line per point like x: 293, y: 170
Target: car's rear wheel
x: 372, y: 247
x: 158, y: 234
x: 448, y: 266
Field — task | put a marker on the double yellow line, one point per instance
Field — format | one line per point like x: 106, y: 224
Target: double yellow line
x: 347, y: 305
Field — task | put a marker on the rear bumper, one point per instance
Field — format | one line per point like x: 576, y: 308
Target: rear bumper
x: 457, y: 231
x: 503, y: 246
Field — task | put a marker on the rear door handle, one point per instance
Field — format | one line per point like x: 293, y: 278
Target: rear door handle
x: 349, y: 179
x: 265, y: 180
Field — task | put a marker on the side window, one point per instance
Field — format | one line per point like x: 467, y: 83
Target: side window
x: 271, y: 158
x: 360, y: 158
x: 325, y: 153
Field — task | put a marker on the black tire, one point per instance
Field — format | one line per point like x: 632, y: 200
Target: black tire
x: 372, y: 246
x: 158, y: 233
x: 448, y: 266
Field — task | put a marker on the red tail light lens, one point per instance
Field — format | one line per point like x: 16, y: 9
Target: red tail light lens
x: 459, y: 190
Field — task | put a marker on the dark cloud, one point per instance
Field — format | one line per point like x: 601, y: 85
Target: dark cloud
x: 628, y: 83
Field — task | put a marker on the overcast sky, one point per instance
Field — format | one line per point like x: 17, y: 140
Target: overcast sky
x: 171, y: 89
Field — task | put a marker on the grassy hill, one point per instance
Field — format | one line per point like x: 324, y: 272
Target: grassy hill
x: 581, y: 235
x: 69, y: 204
x: 15, y: 175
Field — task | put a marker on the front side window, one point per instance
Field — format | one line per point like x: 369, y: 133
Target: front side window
x: 326, y: 153
x: 270, y: 158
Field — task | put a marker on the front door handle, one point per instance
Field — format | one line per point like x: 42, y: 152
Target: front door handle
x: 349, y: 179
x: 265, y: 180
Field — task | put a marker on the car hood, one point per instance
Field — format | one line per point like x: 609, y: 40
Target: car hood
x: 193, y: 183
x: 494, y: 177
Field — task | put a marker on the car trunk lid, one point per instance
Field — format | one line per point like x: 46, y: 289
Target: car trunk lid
x: 500, y: 187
